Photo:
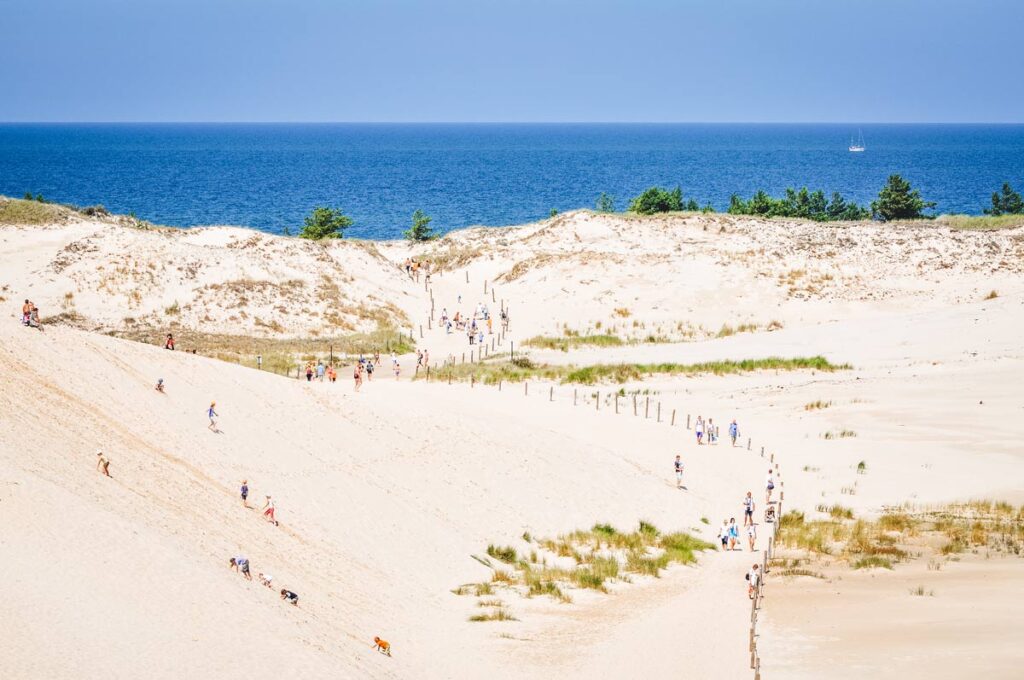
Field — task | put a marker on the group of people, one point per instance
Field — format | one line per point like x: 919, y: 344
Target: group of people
x: 708, y: 432
x: 321, y: 372
x: 30, y: 315
x: 241, y: 565
x: 414, y: 267
x: 469, y: 324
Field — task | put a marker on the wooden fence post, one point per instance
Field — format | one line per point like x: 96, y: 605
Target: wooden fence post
x: 551, y: 394
x: 673, y: 418
x: 687, y: 421
x: 634, y: 404
x: 659, y: 412
x: 467, y: 276
x: 574, y: 396
x: 647, y: 407
x: 499, y: 386
x: 748, y: 443
x: 597, y: 400
x: 526, y: 388
x: 616, y: 403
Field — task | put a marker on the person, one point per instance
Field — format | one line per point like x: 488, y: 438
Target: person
x: 26, y: 313
x: 769, y: 486
x: 33, y: 317
x: 419, y: 358
x: 748, y: 510
x: 266, y: 580
x: 357, y: 375
x: 769, y: 514
x: 376, y: 358
x: 309, y: 372
x: 320, y: 370
x: 241, y: 564
x: 160, y: 385
x: 426, y: 357
x: 734, y: 431
x: 102, y: 463
x: 698, y: 428
x: 712, y: 435
x: 751, y: 536
x: 398, y: 369
x: 169, y: 344
x: 212, y: 414
x: 269, y: 508
x: 245, y: 493
x: 723, y: 534
x: 289, y: 597
x: 753, y: 578
x: 679, y: 473
x: 734, y: 534
x: 369, y: 369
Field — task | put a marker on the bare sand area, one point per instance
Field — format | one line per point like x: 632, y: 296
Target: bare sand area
x: 389, y: 497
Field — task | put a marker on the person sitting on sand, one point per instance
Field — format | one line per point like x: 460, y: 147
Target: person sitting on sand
x: 102, y: 463
x: 265, y: 580
x: 169, y: 344
x: 269, y: 508
x: 241, y: 564
x: 769, y: 514
x: 160, y: 385
x: 289, y: 597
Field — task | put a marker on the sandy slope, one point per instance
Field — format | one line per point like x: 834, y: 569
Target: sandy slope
x: 384, y: 495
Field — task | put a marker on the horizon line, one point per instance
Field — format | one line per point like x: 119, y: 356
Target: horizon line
x: 491, y: 122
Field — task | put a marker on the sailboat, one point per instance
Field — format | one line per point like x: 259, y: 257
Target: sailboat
x: 859, y: 145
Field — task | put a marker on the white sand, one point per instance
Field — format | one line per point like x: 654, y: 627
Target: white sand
x: 384, y: 495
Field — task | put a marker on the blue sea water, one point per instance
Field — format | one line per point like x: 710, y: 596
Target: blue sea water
x: 268, y: 176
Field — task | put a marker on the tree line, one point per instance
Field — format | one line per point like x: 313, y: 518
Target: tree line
x: 897, y: 200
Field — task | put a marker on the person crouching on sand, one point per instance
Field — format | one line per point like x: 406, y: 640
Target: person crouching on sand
x: 290, y: 597
x: 102, y: 463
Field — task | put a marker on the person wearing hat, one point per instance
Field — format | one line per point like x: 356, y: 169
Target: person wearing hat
x: 102, y: 463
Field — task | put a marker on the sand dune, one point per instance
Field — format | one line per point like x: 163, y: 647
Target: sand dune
x: 385, y: 495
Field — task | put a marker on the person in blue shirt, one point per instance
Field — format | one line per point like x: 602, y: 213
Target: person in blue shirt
x: 734, y: 431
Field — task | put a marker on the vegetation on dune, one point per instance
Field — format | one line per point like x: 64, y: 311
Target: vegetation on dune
x: 587, y: 559
x: 658, y: 200
x: 799, y: 203
x: 16, y: 211
x: 523, y: 368
x: 325, y: 223
x: 605, y: 203
x: 980, y: 222
x: 899, y: 201
x: 420, y: 229
x: 573, y: 339
x: 1006, y: 202
x: 882, y: 543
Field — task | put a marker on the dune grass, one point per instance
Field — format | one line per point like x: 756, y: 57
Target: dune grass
x: 572, y: 340
x: 499, y: 614
x: 490, y: 372
x: 980, y: 222
x: 18, y: 211
x: 588, y: 560
x: 992, y: 525
x: 817, y: 405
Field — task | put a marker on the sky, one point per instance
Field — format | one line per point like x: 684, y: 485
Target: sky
x: 512, y: 60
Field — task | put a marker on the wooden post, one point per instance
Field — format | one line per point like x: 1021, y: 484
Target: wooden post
x: 748, y: 443
x: 463, y: 357
x: 493, y: 298
x: 772, y: 459
x: 574, y: 396
x: 616, y: 403
x: 467, y: 276
x: 485, y: 286
x: 597, y: 400
x: 634, y: 404
x: 551, y: 394
x: 659, y: 412
x: 421, y: 331
x: 526, y: 388
x: 762, y: 452
x: 499, y: 386
x: 687, y: 421
x: 472, y: 381
x: 673, y: 424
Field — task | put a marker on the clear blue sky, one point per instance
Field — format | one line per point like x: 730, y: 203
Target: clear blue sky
x: 512, y: 60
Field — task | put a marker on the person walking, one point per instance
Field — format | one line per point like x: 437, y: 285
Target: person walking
x: 269, y: 508
x: 734, y: 534
x: 698, y: 429
x: 679, y: 472
x: 769, y: 486
x: 751, y: 536
x: 748, y: 510
x: 245, y: 493
x: 212, y: 415
x: 753, y: 579
x: 734, y: 431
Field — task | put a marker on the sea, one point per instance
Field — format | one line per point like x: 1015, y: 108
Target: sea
x: 269, y: 176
